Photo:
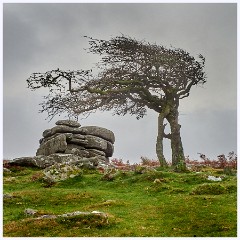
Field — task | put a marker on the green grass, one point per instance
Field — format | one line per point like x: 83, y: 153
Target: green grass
x: 175, y: 205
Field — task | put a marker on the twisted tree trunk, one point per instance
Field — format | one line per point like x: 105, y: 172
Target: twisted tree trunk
x: 159, y: 143
x: 176, y: 141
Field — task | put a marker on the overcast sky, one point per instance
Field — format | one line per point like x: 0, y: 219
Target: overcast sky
x: 42, y: 37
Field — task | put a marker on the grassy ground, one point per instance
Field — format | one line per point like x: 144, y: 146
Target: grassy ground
x: 175, y: 205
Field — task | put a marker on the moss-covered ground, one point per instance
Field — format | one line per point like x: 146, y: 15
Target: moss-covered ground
x: 158, y: 203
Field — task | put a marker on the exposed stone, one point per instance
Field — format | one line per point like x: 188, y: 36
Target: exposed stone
x: 88, y: 162
x: 68, y: 137
x: 109, y: 150
x: 215, y: 179
x: 62, y: 158
x: 62, y: 129
x: 71, y: 146
x: 68, y: 143
x: 69, y: 123
x: 96, y: 142
x: 99, y: 146
x: 78, y: 136
x: 47, y: 161
x: 76, y: 151
x: 54, y: 145
x: 42, y: 161
x: 61, y: 171
x: 6, y: 170
x: 7, y: 196
x: 100, y: 159
x: 78, y: 141
x: 30, y: 211
x: 95, y: 152
x: 103, y: 216
x: 100, y: 132
x: 23, y: 161
x: 46, y: 216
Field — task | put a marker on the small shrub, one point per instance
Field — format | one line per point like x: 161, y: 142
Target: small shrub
x: 209, y: 189
x: 145, y: 161
x: 119, y: 164
x: 139, y: 169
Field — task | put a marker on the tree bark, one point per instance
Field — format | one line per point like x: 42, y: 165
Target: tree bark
x: 176, y: 141
x: 159, y: 143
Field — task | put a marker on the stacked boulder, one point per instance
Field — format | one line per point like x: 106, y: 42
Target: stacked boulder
x: 67, y: 148
x: 68, y: 137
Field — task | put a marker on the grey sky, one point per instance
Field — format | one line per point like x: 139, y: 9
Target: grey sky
x: 41, y: 37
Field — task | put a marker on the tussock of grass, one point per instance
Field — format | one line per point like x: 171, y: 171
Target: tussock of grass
x: 90, y: 221
x: 209, y: 189
x: 213, y: 189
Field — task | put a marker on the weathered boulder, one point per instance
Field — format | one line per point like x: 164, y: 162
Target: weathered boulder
x: 30, y: 212
x: 62, y: 158
x: 61, y: 171
x: 81, y: 142
x: 78, y: 152
x: 71, y: 146
x: 91, y: 219
x: 62, y: 129
x: 23, y: 161
x: 69, y: 123
x: 96, y: 142
x: 54, y: 145
x: 47, y: 161
x: 42, y: 161
x: 99, y: 132
x: 68, y: 141
x: 99, y: 144
x: 68, y: 137
x: 78, y: 141
x: 95, y: 152
x: 78, y: 136
x: 109, y: 150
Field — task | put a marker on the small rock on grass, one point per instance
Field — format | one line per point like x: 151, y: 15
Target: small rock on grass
x: 30, y: 211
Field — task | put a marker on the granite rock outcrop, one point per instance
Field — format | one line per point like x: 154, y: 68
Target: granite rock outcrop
x: 67, y: 148
x: 70, y: 138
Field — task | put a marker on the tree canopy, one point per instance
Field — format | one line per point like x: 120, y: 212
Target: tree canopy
x: 132, y: 76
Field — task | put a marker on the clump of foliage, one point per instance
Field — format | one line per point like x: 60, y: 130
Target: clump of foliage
x: 145, y: 161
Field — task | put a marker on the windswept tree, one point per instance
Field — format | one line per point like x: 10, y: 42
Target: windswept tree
x: 132, y: 76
